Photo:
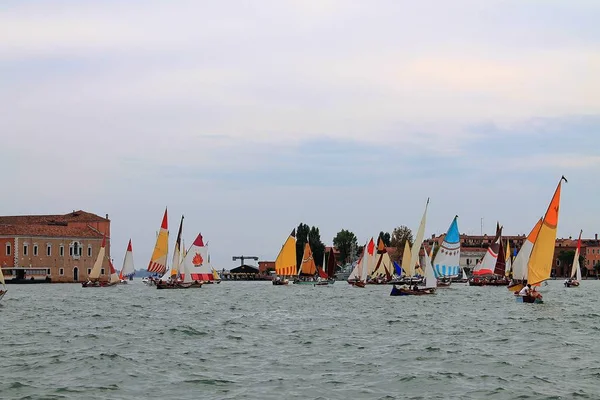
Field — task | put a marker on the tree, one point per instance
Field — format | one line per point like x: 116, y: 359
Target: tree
x: 344, y: 241
x: 301, y: 238
x: 316, y: 245
x: 597, y: 269
x: 399, y: 236
x: 386, y: 237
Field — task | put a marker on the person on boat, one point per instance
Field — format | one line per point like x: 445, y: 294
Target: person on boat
x: 525, y: 291
x: 535, y: 294
x: 416, y: 288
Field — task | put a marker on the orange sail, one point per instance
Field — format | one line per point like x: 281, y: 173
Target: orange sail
x: 308, y: 266
x: 285, y: 264
x: 540, y: 261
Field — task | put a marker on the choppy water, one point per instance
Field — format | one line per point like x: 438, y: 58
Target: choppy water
x: 253, y: 340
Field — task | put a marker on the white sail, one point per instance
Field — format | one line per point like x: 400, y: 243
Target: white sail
x: 576, y: 269
x: 464, y: 274
x: 430, y: 280
x: 128, y: 267
x: 97, y: 268
x: 521, y: 261
x: 114, y: 277
x: 414, y: 256
x: 187, y: 273
x: 2, y: 279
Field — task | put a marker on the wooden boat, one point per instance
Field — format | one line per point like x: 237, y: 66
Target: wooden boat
x: 519, y: 266
x: 285, y: 263
x: 360, y: 274
x: 446, y: 264
x: 172, y: 285
x: 383, y: 268
x: 410, y: 256
x: 539, y: 265
x: 575, y: 277
x: 309, y: 273
x: 492, y: 269
x: 94, y: 276
x: 430, y: 283
x: 128, y: 270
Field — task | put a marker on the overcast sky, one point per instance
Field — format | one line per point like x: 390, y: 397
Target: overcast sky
x: 250, y: 117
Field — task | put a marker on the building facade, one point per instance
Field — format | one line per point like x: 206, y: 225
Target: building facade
x: 61, y: 248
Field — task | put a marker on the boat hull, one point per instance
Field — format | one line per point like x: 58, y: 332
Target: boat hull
x: 2, y: 293
x: 175, y: 286
x: 528, y: 299
x: 572, y: 284
x: 481, y: 282
x: 280, y: 283
x: 358, y: 284
x: 411, y: 292
x: 97, y: 284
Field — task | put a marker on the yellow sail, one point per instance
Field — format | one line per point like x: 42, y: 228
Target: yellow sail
x: 158, y: 262
x: 285, y: 264
x: 308, y: 266
x: 406, y: 256
x: 508, y: 258
x: 216, y: 276
x: 540, y: 262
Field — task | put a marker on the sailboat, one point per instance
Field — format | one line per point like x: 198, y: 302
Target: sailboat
x: 173, y: 273
x: 410, y: 257
x: 539, y: 266
x: 197, y: 262
x: 447, y: 260
x: 492, y: 270
x: 285, y: 263
x: 309, y: 269
x: 186, y: 283
x: 158, y: 261
x: 360, y: 274
x: 430, y: 283
x: 3, y: 288
x: 128, y: 270
x: 94, y: 276
x: 576, y: 269
x: 383, y: 269
x: 519, y: 267
x: 508, y: 260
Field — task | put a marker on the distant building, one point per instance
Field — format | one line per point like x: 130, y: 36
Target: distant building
x: 62, y: 248
x: 264, y: 266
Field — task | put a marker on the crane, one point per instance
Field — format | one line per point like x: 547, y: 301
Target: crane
x: 242, y: 258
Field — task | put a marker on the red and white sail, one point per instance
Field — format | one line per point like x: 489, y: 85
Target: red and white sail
x: 114, y: 277
x: 97, y: 268
x: 128, y: 269
x: 197, y: 261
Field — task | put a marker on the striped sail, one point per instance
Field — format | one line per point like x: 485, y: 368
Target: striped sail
x: 488, y: 264
x: 520, y: 264
x: 447, y: 260
x: 158, y: 262
x: 576, y: 270
x: 416, y: 247
x: 97, y: 268
x: 197, y: 262
x: 540, y: 261
x: 285, y: 264
x: 128, y: 268
x: 308, y: 266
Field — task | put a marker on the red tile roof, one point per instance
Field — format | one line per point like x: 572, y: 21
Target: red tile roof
x: 49, y: 231
x: 75, y: 216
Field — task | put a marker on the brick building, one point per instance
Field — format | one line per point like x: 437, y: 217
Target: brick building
x: 60, y: 247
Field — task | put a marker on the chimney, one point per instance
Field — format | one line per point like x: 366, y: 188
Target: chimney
x: 106, y: 216
x: 596, y: 236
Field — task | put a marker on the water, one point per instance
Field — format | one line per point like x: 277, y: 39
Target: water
x: 253, y: 340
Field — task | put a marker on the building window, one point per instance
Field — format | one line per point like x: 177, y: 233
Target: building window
x: 48, y: 271
x: 8, y: 249
x: 89, y: 250
x: 557, y: 262
x: 102, y: 271
x: 75, y: 249
x: 61, y: 250
x: 35, y: 249
x: 48, y: 250
x: 61, y: 271
x: 25, y: 248
x: 89, y: 271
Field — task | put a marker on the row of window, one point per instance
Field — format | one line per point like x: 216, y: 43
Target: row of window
x: 75, y: 249
x: 61, y: 271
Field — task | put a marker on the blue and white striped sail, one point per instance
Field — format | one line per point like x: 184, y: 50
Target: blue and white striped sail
x: 447, y: 259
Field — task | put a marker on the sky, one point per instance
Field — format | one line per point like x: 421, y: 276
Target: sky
x: 252, y: 117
